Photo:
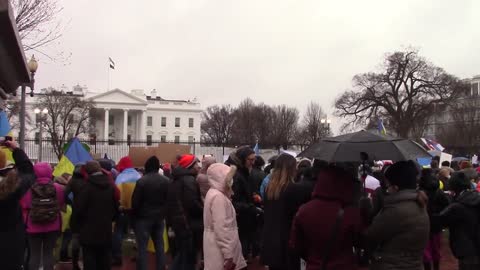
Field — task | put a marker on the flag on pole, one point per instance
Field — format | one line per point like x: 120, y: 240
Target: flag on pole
x: 256, y: 149
x: 381, y: 127
x: 74, y: 155
x: 112, y: 64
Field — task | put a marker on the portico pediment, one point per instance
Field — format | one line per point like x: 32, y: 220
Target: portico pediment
x: 117, y: 96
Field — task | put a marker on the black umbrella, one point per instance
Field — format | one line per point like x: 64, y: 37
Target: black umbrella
x: 347, y: 148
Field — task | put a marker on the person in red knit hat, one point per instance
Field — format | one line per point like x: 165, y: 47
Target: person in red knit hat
x: 185, y: 212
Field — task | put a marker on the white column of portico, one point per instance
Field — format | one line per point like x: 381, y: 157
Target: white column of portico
x: 143, y: 123
x: 125, y: 124
x: 107, y: 118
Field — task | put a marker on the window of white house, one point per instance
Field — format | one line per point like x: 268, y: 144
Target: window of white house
x: 164, y: 121
x: 190, y: 122
x: 163, y: 139
x: 149, y: 121
x: 111, y: 120
x: 191, y: 139
x: 129, y: 121
x: 149, y: 139
x: 37, y: 137
x: 177, y: 121
x: 177, y: 139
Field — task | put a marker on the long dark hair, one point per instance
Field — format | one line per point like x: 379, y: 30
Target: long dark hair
x: 283, y: 174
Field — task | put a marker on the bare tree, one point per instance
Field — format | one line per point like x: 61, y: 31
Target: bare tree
x: 263, y: 122
x: 68, y: 116
x: 37, y: 22
x: 244, y: 123
x: 313, y: 129
x: 403, y: 93
x: 217, y: 124
x: 286, y: 123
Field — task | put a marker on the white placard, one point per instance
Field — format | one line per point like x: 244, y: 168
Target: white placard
x: 445, y: 157
x: 475, y: 159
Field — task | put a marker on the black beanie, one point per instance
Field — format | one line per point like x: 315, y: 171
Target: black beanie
x: 459, y: 182
x: 152, y: 165
x: 403, y: 174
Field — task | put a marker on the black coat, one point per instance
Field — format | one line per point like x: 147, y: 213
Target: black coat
x: 184, y: 203
x: 278, y: 218
x: 149, y: 199
x: 256, y: 177
x: 75, y: 187
x: 242, y: 199
x: 12, y: 227
x: 97, y: 208
x: 462, y: 219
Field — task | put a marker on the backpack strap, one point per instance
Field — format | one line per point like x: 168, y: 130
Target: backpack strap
x: 330, y: 244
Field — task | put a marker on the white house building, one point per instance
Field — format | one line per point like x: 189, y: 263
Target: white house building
x: 135, y: 116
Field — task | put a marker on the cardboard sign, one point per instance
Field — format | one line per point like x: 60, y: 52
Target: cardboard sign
x: 165, y: 152
x: 445, y: 157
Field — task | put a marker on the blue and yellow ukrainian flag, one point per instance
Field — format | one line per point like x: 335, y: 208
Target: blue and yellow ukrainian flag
x: 75, y: 154
x: 381, y: 127
x: 5, y: 130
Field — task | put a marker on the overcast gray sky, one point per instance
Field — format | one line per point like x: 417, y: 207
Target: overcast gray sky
x: 274, y: 51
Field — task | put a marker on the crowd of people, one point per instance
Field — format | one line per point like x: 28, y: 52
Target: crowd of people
x: 225, y: 215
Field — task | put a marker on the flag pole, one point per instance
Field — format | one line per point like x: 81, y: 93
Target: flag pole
x: 108, y: 83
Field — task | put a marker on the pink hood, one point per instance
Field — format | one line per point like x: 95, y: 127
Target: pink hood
x: 220, y: 177
x: 43, y: 172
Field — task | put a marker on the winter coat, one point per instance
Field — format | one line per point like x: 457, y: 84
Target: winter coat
x: 43, y: 173
x: 96, y: 210
x: 73, y: 190
x: 462, y: 219
x: 264, y: 185
x: 149, y: 198
x: 437, y: 202
x: 12, y: 228
x: 220, y: 237
x: 313, y: 225
x: 203, y: 184
x: 126, y: 181
x: 399, y: 233
x: 256, y: 177
x: 278, y: 217
x: 243, y: 199
x: 184, y: 203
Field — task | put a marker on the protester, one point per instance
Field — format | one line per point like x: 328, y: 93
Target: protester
x: 303, y: 166
x: 221, y: 243
x: 202, y: 176
x: 125, y: 181
x: 257, y: 174
x: 41, y: 211
x: 15, y: 180
x: 282, y: 199
x: 97, y: 208
x: 434, y: 166
x: 444, y: 176
x: 243, y: 197
x: 437, y: 202
x: 149, y: 209
x: 66, y: 232
x: 72, y: 191
x: 378, y: 197
x: 185, y: 212
x: 326, y: 229
x: 463, y: 221
x: 399, y: 234
x: 446, y: 165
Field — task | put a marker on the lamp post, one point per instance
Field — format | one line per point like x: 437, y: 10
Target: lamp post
x: 40, y: 117
x: 32, y: 67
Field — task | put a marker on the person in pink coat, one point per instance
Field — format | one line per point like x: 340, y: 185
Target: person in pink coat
x: 221, y: 244
x: 42, y: 236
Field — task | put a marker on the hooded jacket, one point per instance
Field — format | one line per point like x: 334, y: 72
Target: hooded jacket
x: 202, y: 178
x: 96, y: 209
x: 43, y: 172
x: 437, y: 201
x: 462, y: 219
x: 399, y: 233
x: 12, y: 228
x: 184, y: 202
x: 149, y: 199
x: 220, y: 237
x: 314, y: 222
x: 126, y: 181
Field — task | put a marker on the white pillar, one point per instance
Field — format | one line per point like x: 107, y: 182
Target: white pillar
x: 143, y: 124
x: 107, y: 118
x: 125, y: 124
